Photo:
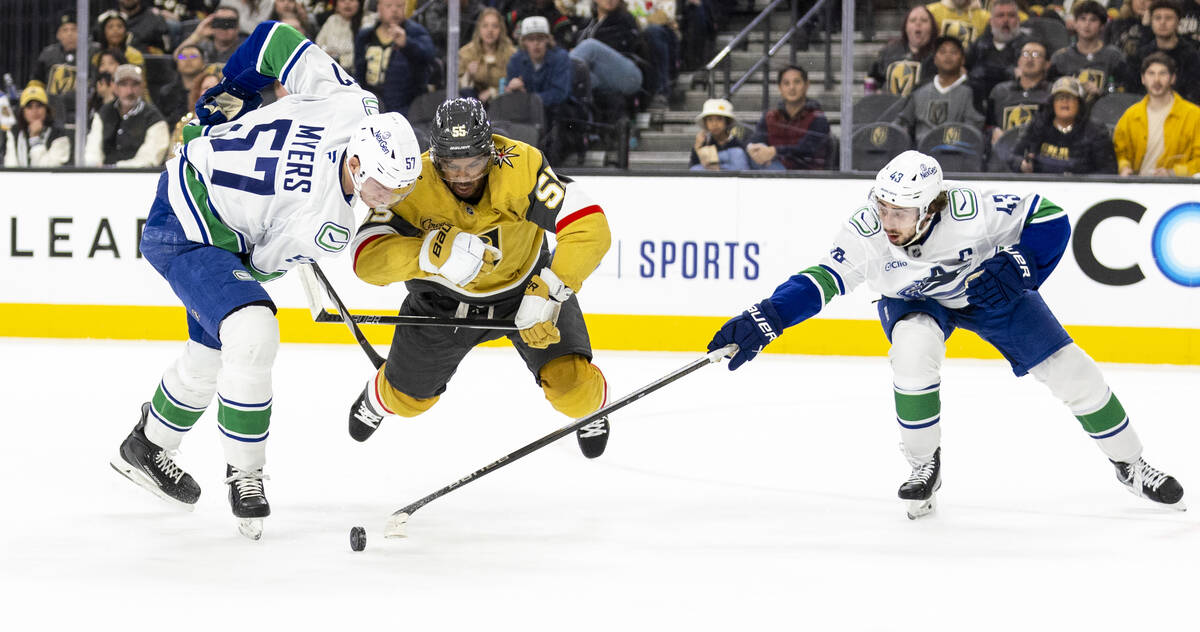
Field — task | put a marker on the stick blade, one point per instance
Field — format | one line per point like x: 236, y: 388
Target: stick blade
x: 397, y: 525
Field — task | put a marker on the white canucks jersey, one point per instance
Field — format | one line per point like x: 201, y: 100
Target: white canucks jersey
x: 268, y: 184
x: 972, y: 228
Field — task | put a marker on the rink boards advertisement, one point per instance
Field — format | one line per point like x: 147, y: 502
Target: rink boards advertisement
x: 687, y: 253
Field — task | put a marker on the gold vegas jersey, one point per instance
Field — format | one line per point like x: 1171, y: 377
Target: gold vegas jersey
x: 522, y: 199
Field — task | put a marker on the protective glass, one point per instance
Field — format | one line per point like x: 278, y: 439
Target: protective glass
x: 896, y: 217
x: 463, y: 169
x: 376, y: 195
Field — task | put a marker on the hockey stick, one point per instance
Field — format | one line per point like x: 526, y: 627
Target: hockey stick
x: 312, y: 290
x: 398, y: 521
x: 350, y: 322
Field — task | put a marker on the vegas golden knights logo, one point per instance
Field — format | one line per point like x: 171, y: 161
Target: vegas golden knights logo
x: 1092, y: 77
x: 1055, y: 152
x: 939, y: 112
x: 902, y: 77
x: 62, y: 79
x: 1018, y: 115
x: 962, y: 31
x: 879, y: 135
x: 951, y: 136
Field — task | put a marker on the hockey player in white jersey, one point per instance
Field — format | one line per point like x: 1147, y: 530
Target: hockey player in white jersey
x: 251, y: 194
x: 946, y: 256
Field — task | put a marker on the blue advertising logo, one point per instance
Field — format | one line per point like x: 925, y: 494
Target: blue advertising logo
x: 1174, y: 244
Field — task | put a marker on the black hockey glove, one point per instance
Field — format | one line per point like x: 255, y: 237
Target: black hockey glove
x: 750, y: 331
x: 226, y: 101
x: 1002, y: 278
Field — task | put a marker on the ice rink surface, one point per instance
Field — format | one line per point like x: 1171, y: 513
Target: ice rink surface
x: 758, y: 500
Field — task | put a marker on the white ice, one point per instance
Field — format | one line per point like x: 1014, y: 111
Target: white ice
x: 758, y: 500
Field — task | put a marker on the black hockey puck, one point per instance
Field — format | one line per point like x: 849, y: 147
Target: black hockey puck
x: 358, y: 538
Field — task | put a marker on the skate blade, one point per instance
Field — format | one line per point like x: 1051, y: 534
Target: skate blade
x: 1177, y: 506
x: 140, y: 479
x: 397, y: 526
x: 251, y: 528
x: 921, y: 508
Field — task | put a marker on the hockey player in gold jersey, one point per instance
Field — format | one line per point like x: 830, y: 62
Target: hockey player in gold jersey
x: 470, y: 241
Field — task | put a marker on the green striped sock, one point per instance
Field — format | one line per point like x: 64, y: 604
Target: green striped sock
x: 918, y: 409
x: 173, y: 413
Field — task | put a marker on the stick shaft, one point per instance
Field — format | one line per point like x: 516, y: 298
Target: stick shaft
x: 373, y: 355
x: 429, y: 321
x: 714, y: 356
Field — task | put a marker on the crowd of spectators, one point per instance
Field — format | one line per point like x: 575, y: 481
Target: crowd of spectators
x: 989, y: 65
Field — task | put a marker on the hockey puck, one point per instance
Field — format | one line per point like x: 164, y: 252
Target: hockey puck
x: 358, y: 538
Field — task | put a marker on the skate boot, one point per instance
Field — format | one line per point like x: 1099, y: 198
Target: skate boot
x: 593, y: 438
x: 248, y: 500
x: 364, y: 419
x: 922, y: 484
x: 1143, y: 480
x: 153, y: 468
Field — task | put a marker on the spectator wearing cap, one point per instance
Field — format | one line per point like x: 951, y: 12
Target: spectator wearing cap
x: 718, y: 145
x: 147, y: 29
x: 217, y: 35
x: 1099, y: 67
x: 129, y: 132
x: 946, y: 99
x: 608, y: 44
x: 794, y: 135
x: 562, y: 29
x: 113, y: 33
x: 172, y: 97
x: 1061, y: 139
x: 992, y: 58
x: 1014, y: 103
x: 54, y: 69
x: 964, y: 20
x: 907, y: 61
x: 1159, y: 135
x: 36, y: 141
x: 1164, y: 23
x: 483, y: 61
x: 392, y: 59
x: 540, y: 66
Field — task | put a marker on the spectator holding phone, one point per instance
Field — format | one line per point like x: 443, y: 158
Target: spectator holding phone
x: 216, y: 35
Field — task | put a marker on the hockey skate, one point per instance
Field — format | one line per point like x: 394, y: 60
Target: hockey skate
x: 364, y: 419
x: 593, y: 438
x: 1143, y: 480
x: 248, y: 500
x: 922, y: 485
x: 154, y: 468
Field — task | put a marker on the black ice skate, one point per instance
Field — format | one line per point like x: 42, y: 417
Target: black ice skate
x: 248, y: 500
x: 153, y: 468
x: 364, y: 419
x: 922, y: 484
x: 1143, y: 480
x: 593, y: 438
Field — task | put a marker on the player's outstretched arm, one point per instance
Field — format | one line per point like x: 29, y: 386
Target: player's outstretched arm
x: 1026, y: 264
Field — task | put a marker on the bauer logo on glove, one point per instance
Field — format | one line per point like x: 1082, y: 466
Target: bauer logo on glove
x: 457, y: 256
x: 537, y: 317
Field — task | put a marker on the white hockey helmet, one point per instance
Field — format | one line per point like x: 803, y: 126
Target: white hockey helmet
x: 910, y: 180
x: 387, y: 153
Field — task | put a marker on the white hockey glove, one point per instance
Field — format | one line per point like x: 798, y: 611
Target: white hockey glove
x: 457, y: 256
x: 537, y: 317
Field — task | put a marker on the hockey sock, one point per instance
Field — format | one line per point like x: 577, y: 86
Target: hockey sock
x: 918, y: 349
x: 919, y: 411
x: 250, y: 340
x: 184, y: 393
x: 1109, y: 426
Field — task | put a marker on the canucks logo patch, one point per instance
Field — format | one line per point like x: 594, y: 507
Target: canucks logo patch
x: 242, y: 275
x: 332, y: 237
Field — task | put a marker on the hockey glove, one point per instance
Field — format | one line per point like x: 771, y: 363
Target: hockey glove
x: 751, y: 331
x: 225, y: 102
x: 455, y: 255
x: 1002, y: 278
x: 537, y: 317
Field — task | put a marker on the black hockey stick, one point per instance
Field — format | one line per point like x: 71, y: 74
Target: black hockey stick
x: 322, y: 315
x: 376, y: 359
x: 398, y: 521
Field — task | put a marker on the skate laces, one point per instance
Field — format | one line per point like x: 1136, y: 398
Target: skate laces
x: 166, y: 464
x: 247, y: 484
x: 366, y: 415
x: 922, y: 473
x: 593, y: 429
x: 1151, y: 477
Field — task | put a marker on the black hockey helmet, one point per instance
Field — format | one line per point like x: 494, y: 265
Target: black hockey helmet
x: 461, y: 129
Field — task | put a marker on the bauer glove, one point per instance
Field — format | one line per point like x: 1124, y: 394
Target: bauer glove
x: 750, y: 331
x: 457, y: 256
x: 225, y: 102
x: 537, y: 317
x: 1003, y: 278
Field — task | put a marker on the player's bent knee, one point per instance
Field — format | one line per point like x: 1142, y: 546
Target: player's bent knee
x: 250, y: 338
x: 918, y: 348
x: 401, y: 404
x: 1073, y: 377
x: 574, y: 386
